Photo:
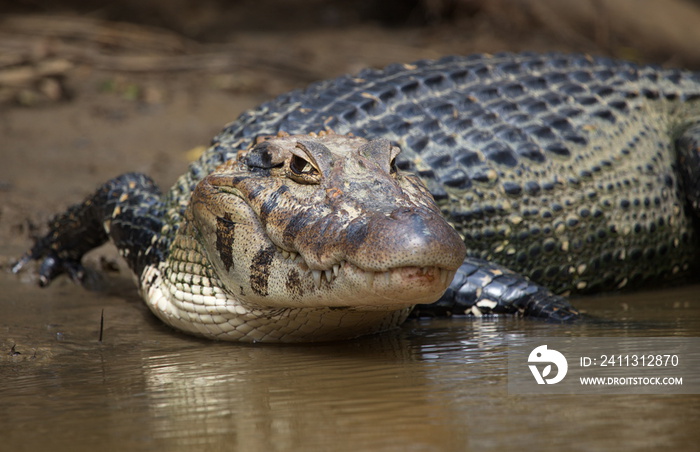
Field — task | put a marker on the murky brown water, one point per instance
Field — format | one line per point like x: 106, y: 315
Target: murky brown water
x: 433, y: 385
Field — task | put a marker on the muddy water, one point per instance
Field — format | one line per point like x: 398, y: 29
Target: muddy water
x: 437, y: 385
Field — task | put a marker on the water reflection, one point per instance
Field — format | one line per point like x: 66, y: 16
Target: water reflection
x: 432, y: 385
x: 266, y: 398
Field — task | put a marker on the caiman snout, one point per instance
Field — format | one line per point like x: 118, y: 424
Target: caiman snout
x: 409, y: 237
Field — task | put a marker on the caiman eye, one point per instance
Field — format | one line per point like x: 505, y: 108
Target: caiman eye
x: 303, y: 171
x: 300, y: 166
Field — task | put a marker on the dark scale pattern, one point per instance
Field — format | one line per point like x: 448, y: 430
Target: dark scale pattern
x: 491, y: 135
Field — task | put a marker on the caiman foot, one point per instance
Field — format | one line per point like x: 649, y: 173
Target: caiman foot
x: 51, y: 267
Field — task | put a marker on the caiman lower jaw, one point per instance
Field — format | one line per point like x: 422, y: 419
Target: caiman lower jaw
x: 428, y: 276
x: 400, y: 286
x: 344, y: 284
x: 391, y: 289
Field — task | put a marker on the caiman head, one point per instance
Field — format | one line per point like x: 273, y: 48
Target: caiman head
x: 324, y: 221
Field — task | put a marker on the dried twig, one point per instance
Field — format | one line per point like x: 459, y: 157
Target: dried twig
x: 102, y: 325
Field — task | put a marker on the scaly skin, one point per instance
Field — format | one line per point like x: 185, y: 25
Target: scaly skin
x: 576, y: 172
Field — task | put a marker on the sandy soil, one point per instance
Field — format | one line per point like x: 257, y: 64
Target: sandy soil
x: 84, y: 98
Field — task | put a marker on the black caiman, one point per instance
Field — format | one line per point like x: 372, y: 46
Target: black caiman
x: 494, y: 183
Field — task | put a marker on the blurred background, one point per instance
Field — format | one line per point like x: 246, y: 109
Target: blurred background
x: 273, y: 45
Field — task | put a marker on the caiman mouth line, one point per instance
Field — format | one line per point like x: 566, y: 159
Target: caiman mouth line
x: 329, y: 275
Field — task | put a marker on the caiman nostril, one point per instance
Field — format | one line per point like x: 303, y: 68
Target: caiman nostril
x: 400, y: 214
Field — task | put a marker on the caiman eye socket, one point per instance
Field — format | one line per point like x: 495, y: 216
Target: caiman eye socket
x: 303, y: 171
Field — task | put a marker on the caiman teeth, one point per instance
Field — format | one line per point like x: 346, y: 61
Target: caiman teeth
x: 317, y: 277
x: 446, y: 276
x: 370, y: 278
x: 329, y: 275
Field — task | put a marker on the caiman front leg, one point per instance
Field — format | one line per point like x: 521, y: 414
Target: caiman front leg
x: 481, y: 287
x: 124, y: 210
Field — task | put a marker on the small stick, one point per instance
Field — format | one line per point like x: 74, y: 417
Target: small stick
x: 102, y: 324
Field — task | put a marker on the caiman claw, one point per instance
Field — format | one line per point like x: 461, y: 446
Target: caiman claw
x: 51, y: 267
